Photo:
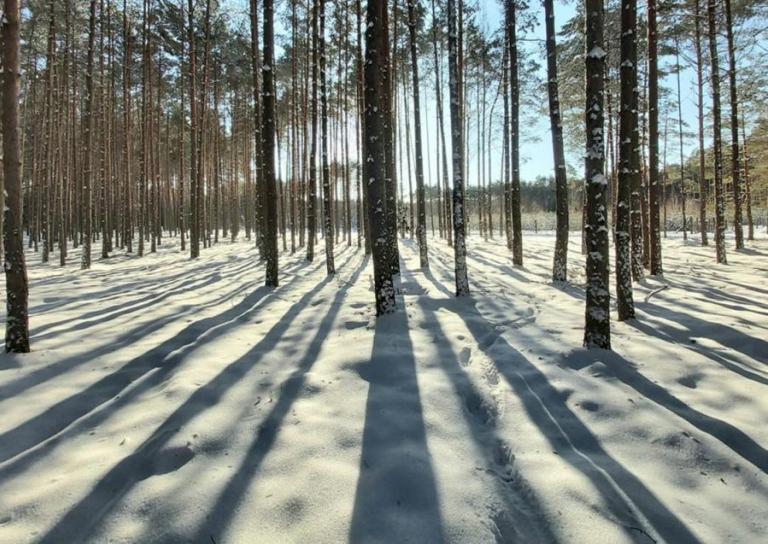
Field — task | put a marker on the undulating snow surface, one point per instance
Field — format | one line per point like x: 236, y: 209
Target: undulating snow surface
x: 170, y: 400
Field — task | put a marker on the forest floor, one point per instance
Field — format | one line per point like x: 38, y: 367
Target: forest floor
x: 169, y: 400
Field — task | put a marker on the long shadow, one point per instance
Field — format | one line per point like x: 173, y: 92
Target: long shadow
x: 718, y: 296
x: 139, y: 286
x: 506, y: 269
x: 620, y: 368
x: 84, y: 519
x: 396, y: 499
x: 723, y: 334
x: 523, y: 517
x: 155, y: 363
x: 153, y: 298
x: 97, y: 317
x: 631, y: 504
x: 48, y: 372
x: 227, y: 501
x: 679, y: 338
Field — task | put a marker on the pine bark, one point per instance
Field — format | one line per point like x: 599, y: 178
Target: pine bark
x: 700, y: 108
x: 654, y: 182
x: 735, y: 167
x: 374, y: 162
x: 17, y: 286
x: 560, y: 264
x: 717, y: 136
x: 627, y: 171
x: 457, y: 144
x: 268, y: 145
x: 597, y: 331
x: 325, y: 167
x: 421, y: 214
x: 514, y: 121
x: 87, y: 142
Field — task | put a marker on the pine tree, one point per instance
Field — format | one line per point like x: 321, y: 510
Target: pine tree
x: 268, y: 123
x: 17, y: 286
x: 735, y: 168
x: 374, y: 154
x: 325, y: 166
x: 88, y: 141
x: 560, y: 264
x: 597, y: 331
x: 627, y: 171
x: 514, y: 89
x: 716, y: 131
x: 457, y: 144
x: 654, y: 182
x: 421, y: 229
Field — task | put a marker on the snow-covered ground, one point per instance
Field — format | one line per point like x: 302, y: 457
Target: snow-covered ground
x: 174, y: 401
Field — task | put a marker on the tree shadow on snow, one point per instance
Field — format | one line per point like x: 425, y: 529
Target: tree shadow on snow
x: 89, y: 406
x: 83, y: 521
x: 680, y: 338
x: 522, y: 517
x: 628, y: 500
x: 396, y: 498
x: 618, y: 367
x: 227, y: 501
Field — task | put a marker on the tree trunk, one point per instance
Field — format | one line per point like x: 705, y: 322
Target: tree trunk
x: 194, y: 231
x: 457, y: 143
x: 716, y: 130
x: 560, y: 265
x: 421, y: 217
x: 627, y: 172
x: 597, y: 330
x: 268, y: 146
x: 312, y: 196
x: 87, y: 142
x: 374, y: 166
x: 680, y: 138
x: 17, y: 287
x: 700, y: 107
x: 654, y: 185
x: 514, y: 88
x: 326, y: 171
x: 735, y: 172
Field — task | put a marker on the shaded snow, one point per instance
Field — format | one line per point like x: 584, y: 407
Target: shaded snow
x: 176, y: 401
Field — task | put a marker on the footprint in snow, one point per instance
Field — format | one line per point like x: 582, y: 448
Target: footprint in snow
x: 166, y: 461
x: 351, y: 325
x: 465, y: 356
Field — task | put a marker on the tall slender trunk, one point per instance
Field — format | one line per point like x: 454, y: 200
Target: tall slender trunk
x: 700, y: 108
x: 259, y: 218
x: 87, y: 142
x: 457, y: 144
x: 735, y: 171
x: 421, y: 214
x: 597, y: 329
x: 374, y: 167
x: 747, y: 188
x: 680, y: 140
x: 326, y: 169
x: 514, y: 88
x: 446, y: 212
x: 182, y: 127
x: 17, y: 287
x: 560, y: 265
x: 627, y: 172
x: 268, y: 146
x: 716, y: 130
x: 194, y: 231
x: 312, y: 189
x: 654, y: 183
